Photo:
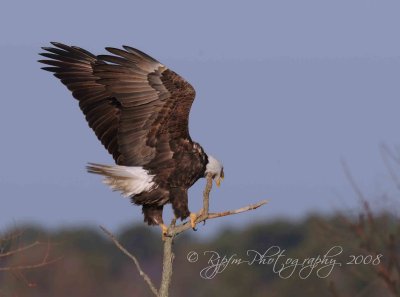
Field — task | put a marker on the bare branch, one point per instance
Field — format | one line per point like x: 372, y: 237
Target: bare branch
x: 386, y: 154
x: 352, y: 182
x: 168, y: 259
x: 19, y: 250
x: 204, y: 214
x: 391, y: 154
x: 185, y: 226
x: 358, y: 191
x: 206, y: 194
x: 133, y: 258
x: 173, y: 230
x: 236, y: 211
x: 33, y: 266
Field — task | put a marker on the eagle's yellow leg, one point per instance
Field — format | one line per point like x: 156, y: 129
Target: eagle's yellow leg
x: 164, y: 229
x: 193, y: 218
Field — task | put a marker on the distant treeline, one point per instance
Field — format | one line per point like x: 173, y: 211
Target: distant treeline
x: 320, y: 256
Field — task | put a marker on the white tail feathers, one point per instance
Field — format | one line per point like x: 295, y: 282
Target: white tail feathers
x: 129, y: 181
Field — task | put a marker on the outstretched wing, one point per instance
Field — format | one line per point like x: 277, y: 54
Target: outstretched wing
x: 74, y: 67
x: 135, y: 105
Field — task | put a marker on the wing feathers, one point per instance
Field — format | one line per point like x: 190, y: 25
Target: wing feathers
x: 128, y: 98
x: 139, y: 54
x: 74, y: 67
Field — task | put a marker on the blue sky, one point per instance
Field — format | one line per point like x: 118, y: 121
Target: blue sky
x: 285, y: 89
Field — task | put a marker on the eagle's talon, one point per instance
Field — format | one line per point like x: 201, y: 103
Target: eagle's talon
x: 165, y: 235
x: 164, y: 230
x: 193, y: 218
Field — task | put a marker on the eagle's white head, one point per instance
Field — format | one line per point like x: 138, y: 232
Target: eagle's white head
x: 216, y: 169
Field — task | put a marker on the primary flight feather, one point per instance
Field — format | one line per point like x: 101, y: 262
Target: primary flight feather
x: 139, y: 110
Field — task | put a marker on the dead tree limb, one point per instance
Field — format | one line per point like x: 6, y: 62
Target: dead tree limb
x: 20, y: 250
x: 133, y: 258
x: 172, y: 232
x: 28, y: 267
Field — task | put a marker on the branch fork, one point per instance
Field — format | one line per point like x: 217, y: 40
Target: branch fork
x: 173, y: 230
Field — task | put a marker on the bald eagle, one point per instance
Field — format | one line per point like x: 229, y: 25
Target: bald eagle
x: 139, y: 110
